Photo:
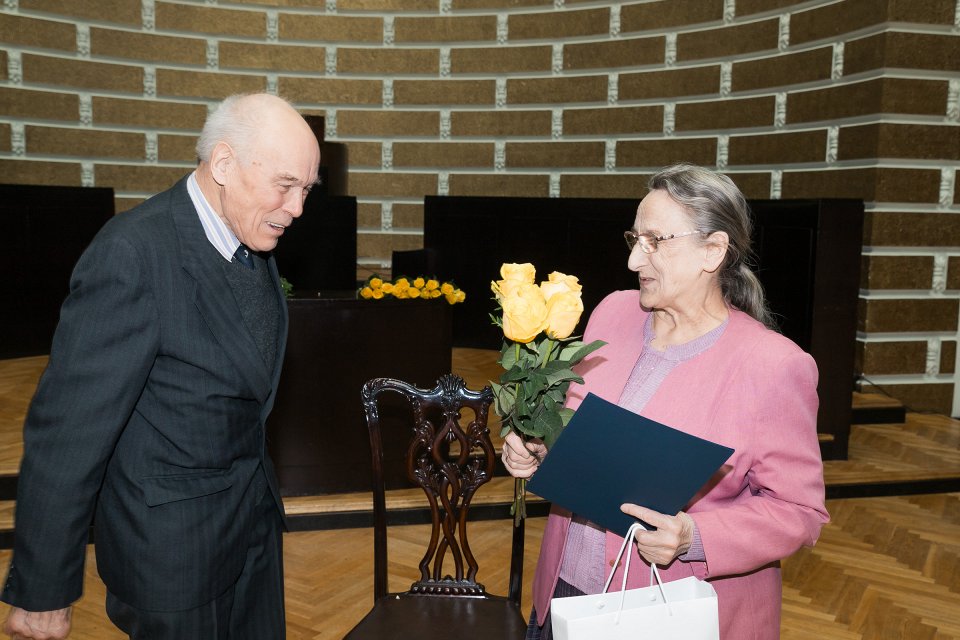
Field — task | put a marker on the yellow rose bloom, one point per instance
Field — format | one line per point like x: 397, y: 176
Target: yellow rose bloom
x: 387, y: 287
x: 520, y: 272
x: 560, y: 283
x: 432, y: 284
x: 419, y: 282
x: 524, y: 313
x: 446, y: 288
x: 375, y: 283
x: 451, y: 298
x: 434, y: 293
x: 403, y: 283
x: 461, y: 296
x: 413, y: 292
x: 505, y: 288
x: 377, y: 294
x: 400, y: 294
x: 563, y: 313
x: 366, y: 293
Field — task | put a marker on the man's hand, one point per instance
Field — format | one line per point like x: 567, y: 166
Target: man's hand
x: 38, y: 625
x: 673, y: 536
x: 521, y: 459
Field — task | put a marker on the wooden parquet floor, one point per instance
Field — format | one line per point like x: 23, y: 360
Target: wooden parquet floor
x: 885, y: 567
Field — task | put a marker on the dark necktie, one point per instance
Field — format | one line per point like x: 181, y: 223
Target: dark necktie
x: 242, y: 254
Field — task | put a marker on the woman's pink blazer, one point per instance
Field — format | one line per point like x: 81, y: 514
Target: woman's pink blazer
x: 753, y: 390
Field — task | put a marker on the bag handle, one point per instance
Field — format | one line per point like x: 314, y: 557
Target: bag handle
x: 654, y: 574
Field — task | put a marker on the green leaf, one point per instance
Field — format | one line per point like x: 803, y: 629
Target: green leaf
x: 581, y: 352
x: 565, y: 415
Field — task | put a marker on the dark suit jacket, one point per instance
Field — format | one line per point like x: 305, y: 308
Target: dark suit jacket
x: 151, y: 415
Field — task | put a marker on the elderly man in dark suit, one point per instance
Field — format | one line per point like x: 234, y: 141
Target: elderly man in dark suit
x: 149, y: 420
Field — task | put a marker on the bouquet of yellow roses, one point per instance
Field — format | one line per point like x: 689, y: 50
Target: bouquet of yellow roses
x: 403, y: 288
x: 537, y: 356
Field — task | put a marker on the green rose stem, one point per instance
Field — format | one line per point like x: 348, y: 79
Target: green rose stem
x: 519, y: 508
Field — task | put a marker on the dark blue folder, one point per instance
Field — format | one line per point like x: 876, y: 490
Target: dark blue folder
x: 608, y: 455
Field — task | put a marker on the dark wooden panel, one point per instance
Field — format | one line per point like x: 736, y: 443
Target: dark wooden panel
x: 317, y: 434
x: 47, y: 229
x: 318, y: 253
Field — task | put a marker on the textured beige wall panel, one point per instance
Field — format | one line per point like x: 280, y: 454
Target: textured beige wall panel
x: 832, y: 20
x: 501, y: 184
x: 613, y: 120
x: 937, y: 398
x: 910, y: 315
x: 891, y: 358
x: 148, y: 113
x: 726, y: 114
x: 462, y: 5
x: 953, y: 273
x: 386, y: 61
x: 558, y: 24
x: 911, y: 229
x: 670, y: 83
x: 272, y: 57
x: 938, y: 52
x: 871, y: 184
x: 384, y: 6
x: 882, y: 95
x: 557, y: 90
x: 397, y: 184
x: 388, y: 123
x: 369, y: 215
x: 119, y: 11
x: 729, y: 41
x: 443, y: 155
x: 604, y: 185
x: 500, y: 123
x: 501, y: 59
x: 777, y: 148
x: 407, y: 216
x: 890, y: 140
x: 748, y: 7
x: 896, y: 272
x: 325, y: 91
x: 174, y: 148
x: 206, y: 84
x: 83, y: 74
x: 208, y: 19
x: 628, y: 52
x: 326, y: 29
x: 39, y: 105
x: 655, y: 153
x: 664, y: 14
x: 783, y: 70
x: 116, y: 43
x: 88, y: 143
x: 445, y: 92
x: 4, y: 137
x: 446, y: 29
x: 381, y: 245
x: 3, y: 65
x: 36, y: 32
x: 40, y: 172
x: 364, y: 155
x: 555, y: 155
x: 148, y: 178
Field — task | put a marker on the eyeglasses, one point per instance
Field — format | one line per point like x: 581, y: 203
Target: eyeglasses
x: 649, y: 242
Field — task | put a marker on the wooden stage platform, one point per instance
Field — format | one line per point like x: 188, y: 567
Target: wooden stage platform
x: 887, y: 566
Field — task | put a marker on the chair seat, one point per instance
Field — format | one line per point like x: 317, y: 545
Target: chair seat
x: 404, y: 616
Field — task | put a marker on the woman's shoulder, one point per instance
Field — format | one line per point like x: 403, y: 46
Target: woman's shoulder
x: 766, y: 343
x: 616, y: 308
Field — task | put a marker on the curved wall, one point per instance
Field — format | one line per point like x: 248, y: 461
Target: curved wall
x: 849, y: 98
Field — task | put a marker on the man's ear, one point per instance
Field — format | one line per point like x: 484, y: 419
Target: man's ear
x: 222, y: 162
x: 716, y: 250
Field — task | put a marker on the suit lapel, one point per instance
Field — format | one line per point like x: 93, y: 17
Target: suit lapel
x: 214, y: 298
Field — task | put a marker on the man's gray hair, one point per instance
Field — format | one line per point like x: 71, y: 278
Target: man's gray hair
x: 234, y: 121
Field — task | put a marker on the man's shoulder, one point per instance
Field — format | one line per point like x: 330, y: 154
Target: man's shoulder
x: 150, y: 218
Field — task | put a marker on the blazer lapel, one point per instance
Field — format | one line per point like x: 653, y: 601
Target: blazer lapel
x: 214, y: 298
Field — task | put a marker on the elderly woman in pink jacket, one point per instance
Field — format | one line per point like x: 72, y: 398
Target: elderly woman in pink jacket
x: 692, y: 349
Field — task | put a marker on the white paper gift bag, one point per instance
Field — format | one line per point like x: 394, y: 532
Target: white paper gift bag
x: 680, y: 610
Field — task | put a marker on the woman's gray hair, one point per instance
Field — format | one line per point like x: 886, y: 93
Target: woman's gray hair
x: 716, y: 204
x: 233, y: 122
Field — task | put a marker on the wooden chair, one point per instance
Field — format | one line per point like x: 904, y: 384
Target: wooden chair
x: 438, y: 606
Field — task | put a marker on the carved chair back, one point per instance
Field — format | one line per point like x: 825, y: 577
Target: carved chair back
x: 450, y: 456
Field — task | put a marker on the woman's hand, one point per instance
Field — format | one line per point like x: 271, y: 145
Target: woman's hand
x: 673, y: 536
x: 522, y: 459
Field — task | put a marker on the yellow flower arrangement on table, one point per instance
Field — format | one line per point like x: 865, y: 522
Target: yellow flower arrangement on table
x: 403, y: 288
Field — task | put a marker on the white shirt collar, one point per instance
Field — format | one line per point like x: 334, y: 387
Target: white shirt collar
x: 217, y: 231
